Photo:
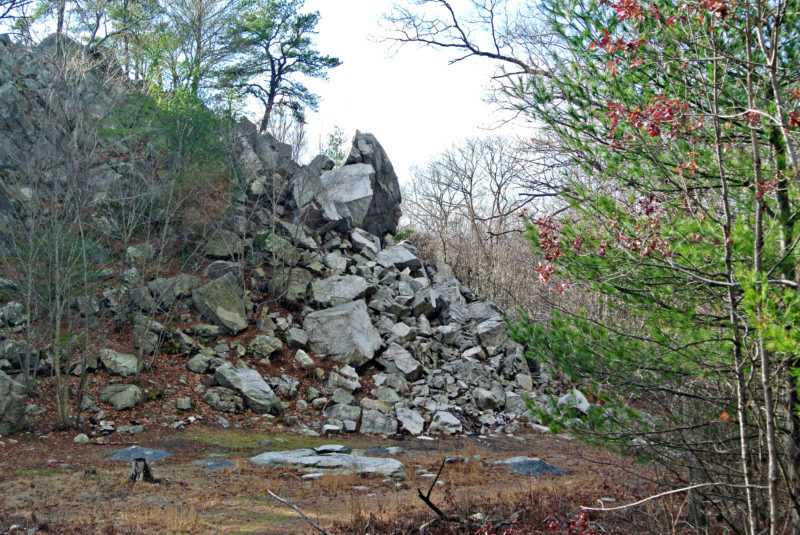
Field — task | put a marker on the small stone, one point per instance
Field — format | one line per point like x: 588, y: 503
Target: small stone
x: 304, y: 360
x: 330, y: 429
x: 183, y: 404
x: 81, y: 439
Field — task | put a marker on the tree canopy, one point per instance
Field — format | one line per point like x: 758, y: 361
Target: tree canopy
x: 679, y: 124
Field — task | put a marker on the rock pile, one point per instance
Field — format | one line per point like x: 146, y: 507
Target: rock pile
x: 416, y: 350
x: 412, y: 349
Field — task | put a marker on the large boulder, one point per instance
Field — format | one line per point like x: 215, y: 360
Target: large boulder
x: 222, y: 302
x: 121, y: 397
x: 399, y: 257
x: 338, y: 290
x: 224, y: 399
x: 309, y: 460
x: 363, y: 193
x: 12, y: 405
x: 384, y: 211
x: 123, y: 364
x: 19, y: 353
x: 375, y: 422
x: 344, y: 332
x: 255, y: 391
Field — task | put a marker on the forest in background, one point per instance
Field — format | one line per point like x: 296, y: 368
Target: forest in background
x: 660, y: 199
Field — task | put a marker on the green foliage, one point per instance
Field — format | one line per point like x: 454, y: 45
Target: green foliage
x: 274, y: 50
x: 404, y: 233
x: 334, y: 147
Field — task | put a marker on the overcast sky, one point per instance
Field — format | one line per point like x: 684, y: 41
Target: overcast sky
x: 411, y: 99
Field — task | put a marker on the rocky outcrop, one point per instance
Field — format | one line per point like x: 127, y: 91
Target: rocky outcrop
x: 343, y: 463
x: 12, y: 405
x: 363, y: 193
x: 390, y: 342
x: 222, y: 302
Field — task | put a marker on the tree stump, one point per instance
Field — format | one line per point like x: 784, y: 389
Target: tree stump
x: 140, y: 471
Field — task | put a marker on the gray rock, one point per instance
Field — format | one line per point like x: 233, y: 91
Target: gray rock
x: 342, y: 412
x: 256, y: 392
x: 221, y: 301
x: 137, y: 452
x: 398, y: 257
x: 384, y: 211
x: 183, y: 404
x: 123, y: 364
x: 445, y: 423
x: 224, y: 399
x: 575, y: 399
x: 223, y: 245
x: 397, y: 360
x: 12, y: 405
x: 411, y: 420
x: 140, y: 254
x: 296, y: 338
x: 130, y: 429
x: 309, y: 460
x: 304, y: 360
x: 338, y: 290
x: 375, y: 422
x: 532, y: 466
x: 121, y: 396
x: 19, y: 354
x: 365, y: 243
x: 199, y: 363
x: 12, y: 314
x: 218, y: 268
x: 290, y: 284
x: 331, y: 448
x: 263, y: 346
x: 491, y: 333
x: 82, y: 438
x: 344, y: 332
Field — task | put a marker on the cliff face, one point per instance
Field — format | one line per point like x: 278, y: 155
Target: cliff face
x: 291, y: 278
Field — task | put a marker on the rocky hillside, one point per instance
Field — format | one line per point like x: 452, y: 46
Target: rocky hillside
x: 295, y: 302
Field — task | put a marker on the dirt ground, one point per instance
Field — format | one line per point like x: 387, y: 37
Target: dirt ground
x: 49, y: 484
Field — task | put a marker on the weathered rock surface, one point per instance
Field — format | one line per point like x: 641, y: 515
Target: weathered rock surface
x: 256, y: 392
x: 532, y: 466
x: 224, y: 399
x: 221, y: 302
x: 339, y: 290
x: 123, y: 364
x: 344, y: 332
x: 308, y: 460
x: 121, y: 397
x: 12, y: 405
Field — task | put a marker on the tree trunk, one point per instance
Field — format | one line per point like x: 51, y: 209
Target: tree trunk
x: 140, y: 471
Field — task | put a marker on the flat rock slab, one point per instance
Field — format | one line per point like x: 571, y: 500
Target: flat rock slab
x: 137, y: 452
x: 308, y: 460
x: 531, y: 466
x: 212, y: 465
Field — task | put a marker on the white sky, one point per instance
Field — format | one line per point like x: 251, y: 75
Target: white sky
x: 410, y: 99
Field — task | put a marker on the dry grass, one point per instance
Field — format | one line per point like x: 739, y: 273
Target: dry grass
x: 235, y: 500
x: 338, y: 483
